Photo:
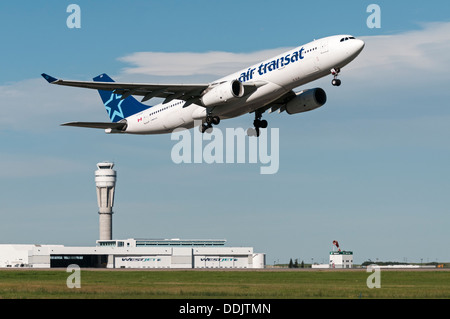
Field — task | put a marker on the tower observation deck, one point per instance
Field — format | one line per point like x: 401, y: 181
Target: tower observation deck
x: 105, y: 181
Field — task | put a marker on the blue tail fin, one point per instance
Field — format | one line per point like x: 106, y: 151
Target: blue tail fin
x: 117, y: 107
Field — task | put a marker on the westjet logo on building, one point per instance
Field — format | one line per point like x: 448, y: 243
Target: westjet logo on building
x: 218, y: 259
x: 140, y: 259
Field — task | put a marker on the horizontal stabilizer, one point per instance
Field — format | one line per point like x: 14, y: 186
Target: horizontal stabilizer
x: 101, y: 125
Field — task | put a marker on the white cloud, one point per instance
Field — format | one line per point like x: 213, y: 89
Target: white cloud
x: 418, y: 52
x: 424, y: 50
x: 188, y: 63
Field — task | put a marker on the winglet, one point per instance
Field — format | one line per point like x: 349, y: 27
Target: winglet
x: 50, y: 79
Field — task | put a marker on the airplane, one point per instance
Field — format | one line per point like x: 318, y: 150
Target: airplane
x: 266, y: 86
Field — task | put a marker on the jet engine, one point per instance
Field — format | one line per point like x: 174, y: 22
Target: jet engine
x: 222, y: 93
x: 306, y: 100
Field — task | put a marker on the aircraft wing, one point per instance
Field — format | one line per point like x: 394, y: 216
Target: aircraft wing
x: 148, y: 91
x: 187, y: 92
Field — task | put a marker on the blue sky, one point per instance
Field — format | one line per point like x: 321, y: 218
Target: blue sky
x: 369, y: 169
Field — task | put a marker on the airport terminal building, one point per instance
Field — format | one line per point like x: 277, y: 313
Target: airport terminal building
x: 133, y: 253
x: 129, y: 253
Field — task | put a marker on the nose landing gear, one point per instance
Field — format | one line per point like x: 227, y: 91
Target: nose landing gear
x: 335, y: 73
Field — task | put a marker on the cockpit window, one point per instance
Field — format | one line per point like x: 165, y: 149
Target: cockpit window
x: 345, y: 39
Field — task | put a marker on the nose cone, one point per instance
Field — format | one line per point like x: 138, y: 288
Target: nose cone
x: 359, y: 45
x: 354, y: 48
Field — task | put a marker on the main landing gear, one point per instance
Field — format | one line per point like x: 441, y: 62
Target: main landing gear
x: 209, y: 122
x: 215, y: 120
x: 258, y: 123
x: 335, y: 73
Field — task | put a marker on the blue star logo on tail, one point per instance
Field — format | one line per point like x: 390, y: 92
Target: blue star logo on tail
x: 115, y: 109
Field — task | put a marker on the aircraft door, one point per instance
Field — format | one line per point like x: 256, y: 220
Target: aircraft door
x: 324, y: 47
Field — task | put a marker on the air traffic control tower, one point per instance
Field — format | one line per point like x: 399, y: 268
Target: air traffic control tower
x: 105, y: 180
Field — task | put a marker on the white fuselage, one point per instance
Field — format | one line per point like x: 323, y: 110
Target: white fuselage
x: 273, y: 78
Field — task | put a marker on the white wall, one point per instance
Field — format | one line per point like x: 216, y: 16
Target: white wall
x: 38, y: 256
x: 14, y: 255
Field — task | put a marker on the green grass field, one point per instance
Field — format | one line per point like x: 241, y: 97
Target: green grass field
x: 223, y: 284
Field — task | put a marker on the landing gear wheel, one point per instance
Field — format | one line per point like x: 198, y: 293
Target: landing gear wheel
x: 336, y: 82
x: 260, y: 123
x: 209, y: 122
x: 263, y: 124
x: 205, y: 127
x: 215, y: 120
